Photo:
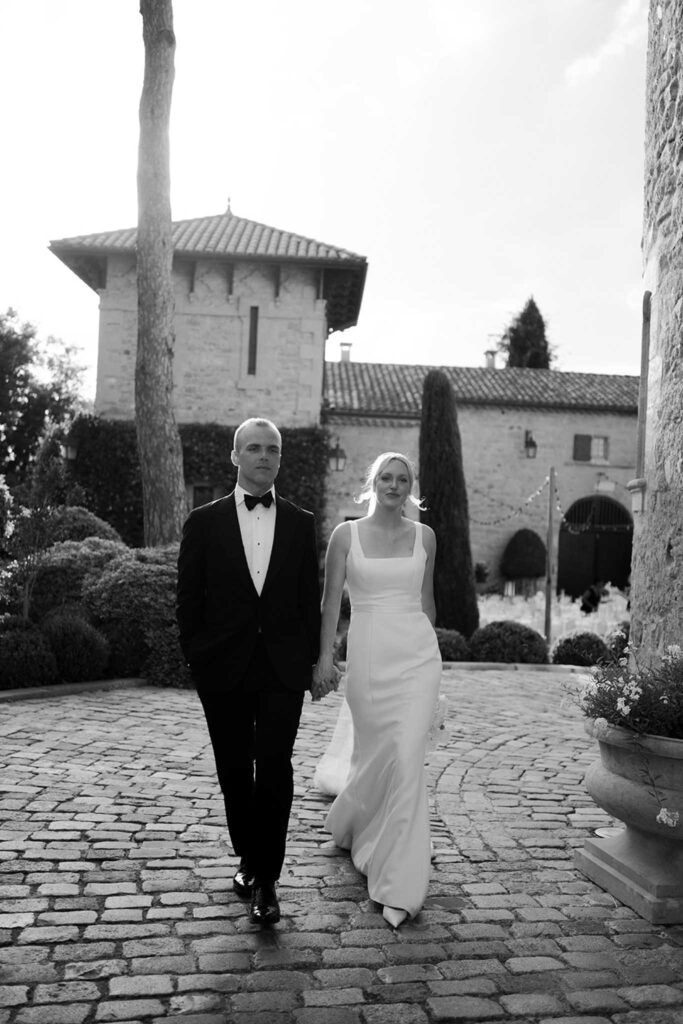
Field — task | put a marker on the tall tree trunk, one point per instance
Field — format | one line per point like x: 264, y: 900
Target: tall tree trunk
x: 161, y: 458
x: 442, y: 484
x: 657, y: 571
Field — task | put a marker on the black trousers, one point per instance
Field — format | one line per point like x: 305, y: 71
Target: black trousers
x: 253, y: 729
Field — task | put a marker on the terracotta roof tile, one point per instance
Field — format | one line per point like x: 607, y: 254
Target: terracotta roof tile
x: 224, y: 235
x: 394, y: 389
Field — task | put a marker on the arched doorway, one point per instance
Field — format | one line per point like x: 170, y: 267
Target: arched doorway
x: 595, y: 544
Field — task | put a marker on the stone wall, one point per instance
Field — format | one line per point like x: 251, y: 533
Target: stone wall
x: 500, y: 478
x: 211, y: 378
x: 657, y: 578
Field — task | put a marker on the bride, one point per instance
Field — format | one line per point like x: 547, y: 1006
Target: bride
x: 381, y: 813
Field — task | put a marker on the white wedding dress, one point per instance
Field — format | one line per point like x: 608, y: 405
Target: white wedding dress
x: 381, y: 813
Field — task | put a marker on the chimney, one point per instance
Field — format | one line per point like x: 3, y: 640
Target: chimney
x: 490, y: 358
x: 345, y: 350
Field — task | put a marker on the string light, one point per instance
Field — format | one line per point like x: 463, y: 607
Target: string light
x: 516, y: 511
x: 578, y: 528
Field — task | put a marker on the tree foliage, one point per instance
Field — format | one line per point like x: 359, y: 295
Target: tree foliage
x: 39, y: 383
x: 442, y: 482
x: 524, y: 341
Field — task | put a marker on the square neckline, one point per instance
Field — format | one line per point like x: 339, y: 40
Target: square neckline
x: 385, y: 558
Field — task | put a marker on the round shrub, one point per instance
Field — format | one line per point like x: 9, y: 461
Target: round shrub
x: 26, y: 658
x: 166, y: 555
x: 64, y: 567
x: 71, y: 522
x: 524, y: 556
x: 508, y: 641
x: 580, y: 649
x: 452, y: 645
x: 165, y: 664
x: 128, y: 601
x: 81, y: 651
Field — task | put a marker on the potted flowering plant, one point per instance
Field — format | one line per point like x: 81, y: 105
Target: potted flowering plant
x: 635, y: 712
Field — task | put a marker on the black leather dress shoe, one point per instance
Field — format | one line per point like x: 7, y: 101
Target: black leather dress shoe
x: 265, y: 908
x: 243, y: 881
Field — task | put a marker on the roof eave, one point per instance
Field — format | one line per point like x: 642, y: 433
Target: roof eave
x: 379, y: 413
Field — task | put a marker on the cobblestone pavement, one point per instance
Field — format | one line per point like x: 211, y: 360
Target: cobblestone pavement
x: 115, y: 880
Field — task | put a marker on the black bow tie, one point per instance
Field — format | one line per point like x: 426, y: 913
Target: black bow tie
x: 252, y: 500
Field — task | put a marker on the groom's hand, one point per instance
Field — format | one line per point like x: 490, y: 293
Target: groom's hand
x: 323, y: 682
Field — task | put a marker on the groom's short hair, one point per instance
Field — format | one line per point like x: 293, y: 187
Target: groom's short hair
x: 253, y: 421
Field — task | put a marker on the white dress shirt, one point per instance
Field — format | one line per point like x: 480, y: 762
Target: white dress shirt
x: 258, y: 530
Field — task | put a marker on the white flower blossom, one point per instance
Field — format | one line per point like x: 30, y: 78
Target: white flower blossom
x: 589, y: 689
x: 667, y: 817
x: 622, y: 707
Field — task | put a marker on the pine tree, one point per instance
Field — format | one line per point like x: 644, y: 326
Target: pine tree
x: 524, y: 341
x: 442, y: 483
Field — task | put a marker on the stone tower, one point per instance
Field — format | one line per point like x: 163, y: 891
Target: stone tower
x: 253, y: 308
x: 657, y: 568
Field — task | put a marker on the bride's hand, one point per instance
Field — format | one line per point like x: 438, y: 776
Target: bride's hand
x: 326, y: 677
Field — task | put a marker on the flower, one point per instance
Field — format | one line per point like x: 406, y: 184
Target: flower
x: 667, y: 817
x: 645, y: 698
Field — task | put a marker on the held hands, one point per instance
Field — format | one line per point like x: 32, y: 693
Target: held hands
x: 326, y: 678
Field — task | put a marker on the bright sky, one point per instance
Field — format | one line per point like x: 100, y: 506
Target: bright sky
x: 476, y: 152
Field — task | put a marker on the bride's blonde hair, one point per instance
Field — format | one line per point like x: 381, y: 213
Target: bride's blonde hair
x: 374, y: 470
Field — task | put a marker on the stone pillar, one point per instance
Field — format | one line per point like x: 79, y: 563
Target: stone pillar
x: 657, y: 568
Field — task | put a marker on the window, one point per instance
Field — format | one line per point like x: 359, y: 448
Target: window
x: 253, y: 338
x: 590, y: 449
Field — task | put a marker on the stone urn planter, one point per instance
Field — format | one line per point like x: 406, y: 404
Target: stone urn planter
x: 642, y: 865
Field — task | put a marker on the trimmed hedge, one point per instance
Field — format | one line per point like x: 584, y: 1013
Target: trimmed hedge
x: 583, y: 648
x: 165, y: 664
x: 80, y: 650
x: 26, y: 658
x: 524, y: 556
x: 509, y: 642
x: 72, y: 522
x: 452, y: 645
x: 63, y: 569
x: 129, y: 600
x: 107, y: 467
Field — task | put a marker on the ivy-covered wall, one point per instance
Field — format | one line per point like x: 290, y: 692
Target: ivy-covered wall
x: 107, y: 467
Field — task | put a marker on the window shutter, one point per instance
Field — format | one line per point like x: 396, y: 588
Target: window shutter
x: 582, y: 447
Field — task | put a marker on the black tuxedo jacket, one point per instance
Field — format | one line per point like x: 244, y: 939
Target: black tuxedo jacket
x: 219, y: 612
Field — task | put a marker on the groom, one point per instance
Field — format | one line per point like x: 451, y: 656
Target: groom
x: 248, y: 608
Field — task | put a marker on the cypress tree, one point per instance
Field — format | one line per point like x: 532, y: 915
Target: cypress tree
x: 524, y: 341
x: 442, y: 483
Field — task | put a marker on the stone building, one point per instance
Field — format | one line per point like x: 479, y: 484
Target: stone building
x: 657, y: 609
x: 254, y: 307
x: 514, y: 425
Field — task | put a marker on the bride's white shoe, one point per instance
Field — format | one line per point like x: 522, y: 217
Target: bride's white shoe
x: 394, y: 916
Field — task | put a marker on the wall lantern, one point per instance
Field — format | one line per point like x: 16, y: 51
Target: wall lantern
x: 530, y: 446
x: 68, y: 450
x: 336, y: 458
